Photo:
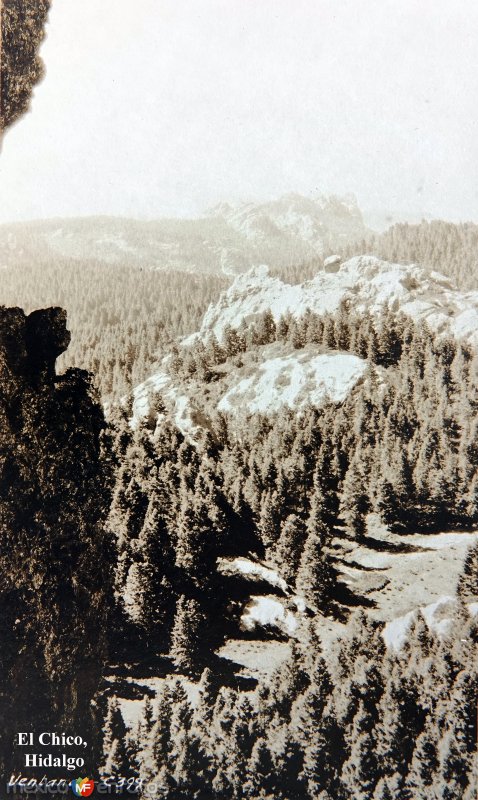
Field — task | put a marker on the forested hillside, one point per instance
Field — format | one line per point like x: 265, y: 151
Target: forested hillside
x: 226, y: 240
x: 366, y: 726
x: 345, y: 717
x: 442, y: 246
x: 124, y: 316
x: 239, y: 515
x: 449, y: 248
x: 122, y: 319
x: 252, y: 638
x: 131, y: 287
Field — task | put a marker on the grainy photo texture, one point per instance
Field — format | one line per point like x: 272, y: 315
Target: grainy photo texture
x: 239, y: 399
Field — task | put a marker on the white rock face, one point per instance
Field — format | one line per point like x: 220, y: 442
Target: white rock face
x: 438, y: 617
x: 301, y: 377
x: 251, y: 570
x: 368, y: 283
x: 268, y: 612
x: 295, y: 381
x: 178, y: 403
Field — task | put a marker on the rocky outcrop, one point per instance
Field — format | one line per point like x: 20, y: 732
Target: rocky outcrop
x: 22, y: 31
x: 54, y: 585
x: 30, y: 345
x: 365, y: 283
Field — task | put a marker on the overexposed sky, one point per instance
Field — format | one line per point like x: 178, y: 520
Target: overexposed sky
x: 157, y: 108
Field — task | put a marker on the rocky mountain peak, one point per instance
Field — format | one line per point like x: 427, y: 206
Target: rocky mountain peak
x: 366, y: 283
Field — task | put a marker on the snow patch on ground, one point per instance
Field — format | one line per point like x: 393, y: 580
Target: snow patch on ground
x: 439, y: 541
x: 265, y: 611
x: 437, y: 616
x: 252, y: 571
x: 132, y: 711
x: 295, y: 380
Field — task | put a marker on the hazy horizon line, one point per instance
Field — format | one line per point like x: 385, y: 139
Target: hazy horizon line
x: 389, y: 216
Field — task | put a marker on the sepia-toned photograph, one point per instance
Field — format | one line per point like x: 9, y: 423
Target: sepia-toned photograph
x: 239, y: 399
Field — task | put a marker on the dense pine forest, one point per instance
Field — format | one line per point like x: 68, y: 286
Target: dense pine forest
x: 233, y: 603
x: 382, y: 727
x: 123, y: 319
x: 337, y: 712
x: 351, y: 719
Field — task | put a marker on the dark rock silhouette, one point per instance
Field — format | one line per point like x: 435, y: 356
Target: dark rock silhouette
x: 22, y: 31
x: 54, y: 583
x: 30, y: 345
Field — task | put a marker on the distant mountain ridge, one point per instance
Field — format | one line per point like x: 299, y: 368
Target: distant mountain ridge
x: 227, y: 239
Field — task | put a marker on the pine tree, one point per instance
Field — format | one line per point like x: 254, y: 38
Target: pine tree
x: 424, y: 765
x: 208, y: 693
x: 468, y: 581
x: 360, y: 769
x: 296, y: 334
x: 253, y: 487
x: 240, y: 742
x: 342, y: 329
x: 266, y: 329
x: 289, y: 766
x: 261, y: 774
x: 283, y: 326
x: 319, y: 764
x: 309, y: 711
x: 150, y: 594
x: 317, y: 518
x: 116, y: 763
x: 230, y: 341
x: 288, y: 549
x: 268, y: 526
x: 396, y: 493
x: 456, y: 767
x: 328, y: 335
x: 315, y: 329
x: 315, y: 577
x: 354, y: 499
x: 401, y: 721
x: 286, y: 685
x: 187, y: 636
x: 372, y: 346
x: 201, y: 529
x: 192, y: 775
x: 161, y: 730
